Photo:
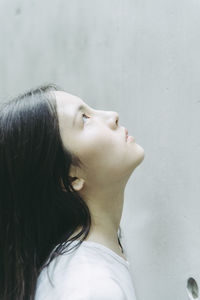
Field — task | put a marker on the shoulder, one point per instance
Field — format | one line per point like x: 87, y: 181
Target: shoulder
x: 84, y: 276
x: 84, y: 263
x: 99, y: 289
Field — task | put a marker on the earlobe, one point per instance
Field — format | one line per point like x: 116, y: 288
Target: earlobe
x: 78, y: 184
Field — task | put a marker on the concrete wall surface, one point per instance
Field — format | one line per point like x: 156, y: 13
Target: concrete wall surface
x: 141, y: 59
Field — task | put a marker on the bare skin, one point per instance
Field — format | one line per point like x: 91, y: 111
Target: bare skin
x: 100, y: 142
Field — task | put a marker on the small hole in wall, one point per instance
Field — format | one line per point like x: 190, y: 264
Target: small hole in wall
x: 192, y: 289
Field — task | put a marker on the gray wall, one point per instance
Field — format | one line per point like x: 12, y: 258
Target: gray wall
x: 141, y: 59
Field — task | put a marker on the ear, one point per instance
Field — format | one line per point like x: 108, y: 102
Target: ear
x: 78, y: 184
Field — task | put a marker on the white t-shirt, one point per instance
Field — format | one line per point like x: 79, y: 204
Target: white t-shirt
x: 90, y: 272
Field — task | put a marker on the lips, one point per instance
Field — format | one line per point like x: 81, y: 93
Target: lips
x: 126, y: 134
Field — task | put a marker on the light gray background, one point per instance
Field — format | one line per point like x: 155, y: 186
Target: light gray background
x: 141, y: 59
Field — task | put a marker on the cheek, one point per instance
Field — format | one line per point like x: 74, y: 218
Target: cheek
x: 101, y: 150
x: 98, y: 142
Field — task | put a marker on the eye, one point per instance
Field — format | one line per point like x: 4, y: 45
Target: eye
x: 85, y: 115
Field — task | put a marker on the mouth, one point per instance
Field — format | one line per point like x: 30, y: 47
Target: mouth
x: 127, y: 137
x: 126, y: 134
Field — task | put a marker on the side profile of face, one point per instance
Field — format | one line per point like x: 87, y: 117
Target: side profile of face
x: 96, y: 137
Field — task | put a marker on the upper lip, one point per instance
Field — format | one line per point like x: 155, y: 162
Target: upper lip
x: 126, y: 134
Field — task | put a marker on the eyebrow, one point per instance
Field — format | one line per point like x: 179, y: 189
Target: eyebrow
x: 80, y: 107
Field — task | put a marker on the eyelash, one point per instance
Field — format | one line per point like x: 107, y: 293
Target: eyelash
x: 85, y: 115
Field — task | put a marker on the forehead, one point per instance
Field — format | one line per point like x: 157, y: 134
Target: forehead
x: 66, y: 106
x: 65, y: 99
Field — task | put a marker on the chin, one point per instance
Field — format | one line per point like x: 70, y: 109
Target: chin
x: 138, y: 156
x: 142, y: 154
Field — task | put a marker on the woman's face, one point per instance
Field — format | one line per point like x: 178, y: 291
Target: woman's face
x: 97, y: 138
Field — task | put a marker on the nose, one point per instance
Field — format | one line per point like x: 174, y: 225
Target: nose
x: 115, y: 118
x: 111, y: 117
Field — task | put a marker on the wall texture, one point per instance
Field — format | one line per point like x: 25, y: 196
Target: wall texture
x: 141, y: 59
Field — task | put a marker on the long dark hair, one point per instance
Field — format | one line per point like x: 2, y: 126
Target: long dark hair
x: 37, y: 216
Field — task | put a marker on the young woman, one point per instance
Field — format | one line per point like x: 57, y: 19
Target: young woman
x: 64, y: 167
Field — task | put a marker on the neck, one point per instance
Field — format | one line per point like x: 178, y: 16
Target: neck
x: 106, y: 215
